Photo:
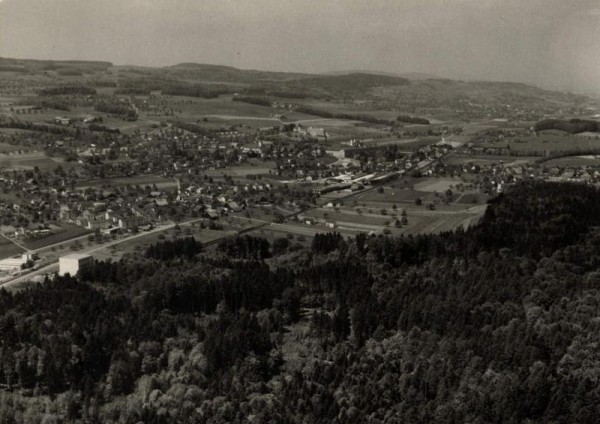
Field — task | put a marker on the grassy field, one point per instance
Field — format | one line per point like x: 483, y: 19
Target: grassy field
x: 23, y: 161
x: 439, y: 185
x: 587, y: 160
x: 436, y: 224
x: 11, y: 148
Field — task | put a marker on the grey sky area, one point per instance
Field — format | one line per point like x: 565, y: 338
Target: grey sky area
x: 551, y: 43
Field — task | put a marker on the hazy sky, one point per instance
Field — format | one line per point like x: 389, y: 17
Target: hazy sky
x: 547, y: 42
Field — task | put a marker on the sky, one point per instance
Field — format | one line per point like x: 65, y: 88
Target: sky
x: 549, y: 43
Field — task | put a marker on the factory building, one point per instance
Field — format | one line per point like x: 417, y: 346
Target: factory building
x: 71, y: 264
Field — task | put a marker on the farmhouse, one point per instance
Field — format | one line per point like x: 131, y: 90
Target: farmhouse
x: 316, y: 132
x: 62, y: 121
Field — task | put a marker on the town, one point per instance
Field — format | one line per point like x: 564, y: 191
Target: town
x: 86, y: 163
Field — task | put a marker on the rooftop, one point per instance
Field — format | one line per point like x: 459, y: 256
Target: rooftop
x: 75, y: 256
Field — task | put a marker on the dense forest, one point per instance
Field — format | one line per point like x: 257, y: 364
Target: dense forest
x: 573, y: 126
x: 498, y: 323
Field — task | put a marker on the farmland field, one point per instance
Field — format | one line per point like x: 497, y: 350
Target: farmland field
x: 435, y: 224
x: 21, y: 161
x: 142, y: 180
x: 8, y: 248
x: 490, y: 159
x: 586, y: 160
x: 62, y: 233
x: 548, y: 142
x: 195, y: 108
x: 351, y: 109
x: 393, y: 195
x: 10, y: 148
x: 439, y: 185
x: 240, y: 171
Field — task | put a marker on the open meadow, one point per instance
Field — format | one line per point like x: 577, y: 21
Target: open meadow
x: 24, y: 161
x: 549, y: 143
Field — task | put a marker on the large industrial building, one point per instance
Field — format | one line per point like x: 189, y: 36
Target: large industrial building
x: 71, y: 264
x: 15, y: 263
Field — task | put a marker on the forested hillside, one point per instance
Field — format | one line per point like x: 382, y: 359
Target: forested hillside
x: 498, y: 323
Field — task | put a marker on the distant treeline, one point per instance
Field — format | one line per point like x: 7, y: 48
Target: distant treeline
x: 103, y: 128
x: 133, y: 91
x: 279, y: 92
x: 350, y: 116
x: 53, y: 103
x: 36, y: 127
x: 573, y: 126
x: 197, y: 90
x: 193, y: 128
x: 67, y: 90
x: 117, y: 109
x: 103, y: 83
x: 412, y: 120
x: 9, y: 68
x: 567, y: 153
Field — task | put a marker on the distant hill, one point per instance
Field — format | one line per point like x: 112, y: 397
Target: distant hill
x: 61, y: 66
x: 221, y: 73
x: 355, y: 81
x: 407, y: 75
x: 417, y: 94
x: 444, y: 91
x: 416, y: 76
